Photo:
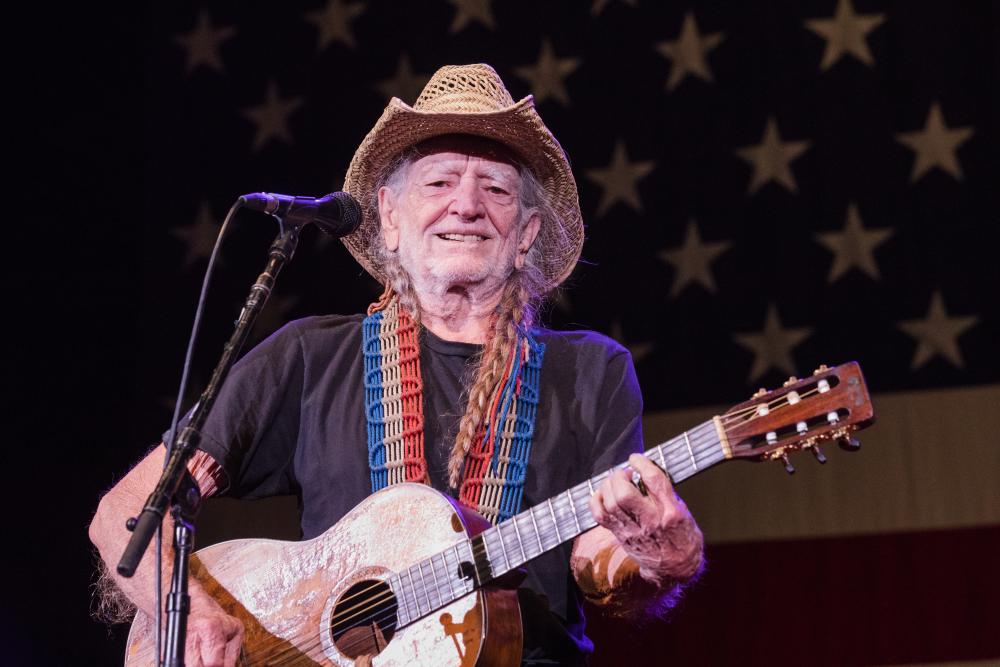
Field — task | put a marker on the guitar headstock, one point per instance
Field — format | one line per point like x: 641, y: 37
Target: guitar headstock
x: 803, y: 414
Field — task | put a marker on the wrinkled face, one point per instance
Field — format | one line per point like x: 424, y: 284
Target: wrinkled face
x: 455, y: 218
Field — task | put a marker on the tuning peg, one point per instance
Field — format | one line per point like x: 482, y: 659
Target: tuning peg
x: 818, y: 453
x: 760, y: 392
x: 790, y: 381
x: 849, y: 444
x: 822, y: 369
x: 789, y: 468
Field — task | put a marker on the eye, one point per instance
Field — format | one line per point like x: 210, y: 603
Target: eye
x: 497, y: 190
x: 437, y: 184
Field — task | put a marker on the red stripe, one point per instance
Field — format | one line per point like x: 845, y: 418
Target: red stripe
x: 878, y: 600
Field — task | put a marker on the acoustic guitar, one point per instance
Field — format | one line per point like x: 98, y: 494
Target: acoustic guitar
x: 404, y: 578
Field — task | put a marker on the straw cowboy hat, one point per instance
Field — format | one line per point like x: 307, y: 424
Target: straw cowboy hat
x: 470, y: 99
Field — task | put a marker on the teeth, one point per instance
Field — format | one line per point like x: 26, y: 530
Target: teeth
x: 462, y: 237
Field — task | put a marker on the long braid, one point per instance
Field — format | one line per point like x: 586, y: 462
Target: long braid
x: 514, y: 311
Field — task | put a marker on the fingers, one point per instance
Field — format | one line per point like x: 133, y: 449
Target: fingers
x: 215, y: 640
x: 621, y: 507
x: 617, y: 503
x: 653, y: 477
x: 233, y: 650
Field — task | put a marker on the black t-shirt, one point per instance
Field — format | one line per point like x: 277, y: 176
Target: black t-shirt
x: 290, y: 419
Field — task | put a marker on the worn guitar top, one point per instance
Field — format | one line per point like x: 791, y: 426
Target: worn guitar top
x: 290, y: 420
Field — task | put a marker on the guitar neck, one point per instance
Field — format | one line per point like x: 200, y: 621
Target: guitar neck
x: 492, y: 553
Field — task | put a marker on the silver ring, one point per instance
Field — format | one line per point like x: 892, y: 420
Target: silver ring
x: 637, y: 481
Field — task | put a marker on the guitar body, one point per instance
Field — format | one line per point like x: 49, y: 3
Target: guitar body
x: 288, y: 593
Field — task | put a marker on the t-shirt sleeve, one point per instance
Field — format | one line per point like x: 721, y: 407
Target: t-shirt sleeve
x: 253, y: 427
x: 618, y: 430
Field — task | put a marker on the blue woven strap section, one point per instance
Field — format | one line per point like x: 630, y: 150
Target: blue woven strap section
x: 524, y: 427
x: 371, y: 347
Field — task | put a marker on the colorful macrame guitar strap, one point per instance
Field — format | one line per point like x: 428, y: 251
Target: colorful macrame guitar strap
x: 495, y: 468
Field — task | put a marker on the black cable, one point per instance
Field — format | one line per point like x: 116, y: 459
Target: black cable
x: 199, y: 311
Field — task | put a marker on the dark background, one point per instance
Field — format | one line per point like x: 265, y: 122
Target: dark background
x: 122, y: 146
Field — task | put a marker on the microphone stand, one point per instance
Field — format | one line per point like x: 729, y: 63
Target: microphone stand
x: 176, y: 486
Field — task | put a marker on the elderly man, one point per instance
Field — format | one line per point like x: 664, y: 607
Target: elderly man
x: 471, y: 217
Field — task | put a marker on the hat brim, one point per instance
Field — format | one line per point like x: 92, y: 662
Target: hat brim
x: 519, y: 127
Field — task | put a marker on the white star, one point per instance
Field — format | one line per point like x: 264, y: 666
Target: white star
x: 467, y: 11
x: 202, y: 44
x: 772, y: 347
x: 618, y: 180
x: 199, y: 236
x: 687, y: 52
x: 853, y: 247
x: 639, y: 351
x: 271, y: 117
x: 334, y: 22
x: 935, y: 145
x: 845, y: 33
x: 598, y: 5
x: 546, y: 76
x: 771, y: 158
x: 404, y: 84
x: 937, y: 334
x: 692, y: 260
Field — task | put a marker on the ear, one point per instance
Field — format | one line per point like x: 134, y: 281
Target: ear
x: 528, y: 235
x: 387, y: 216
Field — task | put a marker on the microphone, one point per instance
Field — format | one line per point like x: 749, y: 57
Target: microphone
x: 338, y: 214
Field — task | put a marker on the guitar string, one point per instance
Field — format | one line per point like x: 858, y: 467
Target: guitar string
x: 416, y: 589
x: 673, y: 457
x: 699, y: 444
x: 676, y: 453
x: 422, y: 589
x: 780, y: 402
x: 552, y: 533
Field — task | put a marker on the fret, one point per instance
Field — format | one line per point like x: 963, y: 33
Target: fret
x: 395, y: 585
x: 590, y: 484
x: 538, y: 533
x: 411, y: 610
x: 416, y: 605
x: 423, y: 583
x: 517, y: 534
x: 486, y: 550
x: 503, y: 549
x: 687, y: 441
x: 663, y: 460
x: 455, y: 572
x: 555, y: 523
x: 523, y: 520
x: 454, y: 575
x: 437, y: 582
x: 572, y: 507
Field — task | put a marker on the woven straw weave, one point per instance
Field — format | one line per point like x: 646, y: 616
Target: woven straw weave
x: 470, y: 99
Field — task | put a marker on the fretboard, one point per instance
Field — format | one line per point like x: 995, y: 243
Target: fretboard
x: 437, y: 581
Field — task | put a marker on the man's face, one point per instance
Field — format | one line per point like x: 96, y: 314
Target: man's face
x: 456, y: 218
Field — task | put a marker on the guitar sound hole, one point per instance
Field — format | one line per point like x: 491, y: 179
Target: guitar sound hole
x: 364, y: 619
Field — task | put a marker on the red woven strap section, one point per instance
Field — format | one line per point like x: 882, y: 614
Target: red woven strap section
x: 412, y: 398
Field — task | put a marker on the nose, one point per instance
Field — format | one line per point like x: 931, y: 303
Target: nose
x: 467, y: 202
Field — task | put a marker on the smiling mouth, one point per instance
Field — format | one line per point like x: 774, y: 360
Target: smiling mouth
x: 466, y: 238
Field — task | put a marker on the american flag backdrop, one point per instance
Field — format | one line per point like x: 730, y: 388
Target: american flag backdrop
x: 767, y: 186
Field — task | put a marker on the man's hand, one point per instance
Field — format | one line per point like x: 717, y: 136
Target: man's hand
x: 655, y: 529
x: 214, y: 638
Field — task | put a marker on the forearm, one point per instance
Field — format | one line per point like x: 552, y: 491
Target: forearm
x: 109, y: 536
